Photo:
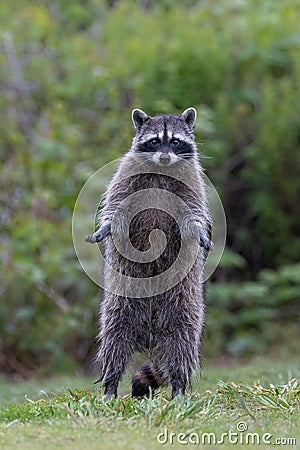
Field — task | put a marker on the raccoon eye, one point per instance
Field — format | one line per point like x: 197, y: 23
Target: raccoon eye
x: 154, y: 141
x: 175, y: 141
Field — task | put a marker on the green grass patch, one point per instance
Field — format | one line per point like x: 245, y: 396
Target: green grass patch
x: 241, y: 402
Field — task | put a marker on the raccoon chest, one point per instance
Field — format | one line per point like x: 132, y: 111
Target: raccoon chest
x: 149, y: 220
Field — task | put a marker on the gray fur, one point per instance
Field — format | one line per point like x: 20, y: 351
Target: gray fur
x: 168, y: 325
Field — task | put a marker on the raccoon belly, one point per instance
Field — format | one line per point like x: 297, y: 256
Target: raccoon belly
x: 139, y: 234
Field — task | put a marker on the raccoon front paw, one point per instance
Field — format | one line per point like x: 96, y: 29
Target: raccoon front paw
x: 103, y: 231
x: 204, y: 241
x: 90, y: 238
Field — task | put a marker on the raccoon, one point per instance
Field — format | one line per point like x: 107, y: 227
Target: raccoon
x: 163, y: 318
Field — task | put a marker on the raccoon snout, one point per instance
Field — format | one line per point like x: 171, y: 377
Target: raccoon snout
x: 165, y: 158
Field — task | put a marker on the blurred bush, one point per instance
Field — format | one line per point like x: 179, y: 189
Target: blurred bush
x: 258, y: 316
x: 70, y: 73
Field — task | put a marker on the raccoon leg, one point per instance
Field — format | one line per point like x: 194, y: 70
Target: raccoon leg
x: 181, y: 360
x: 180, y: 345
x: 116, y: 347
x: 113, y: 355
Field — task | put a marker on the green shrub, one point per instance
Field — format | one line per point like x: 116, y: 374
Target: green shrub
x: 69, y: 76
x: 248, y: 318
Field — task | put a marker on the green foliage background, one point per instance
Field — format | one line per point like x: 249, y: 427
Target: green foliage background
x: 70, y: 73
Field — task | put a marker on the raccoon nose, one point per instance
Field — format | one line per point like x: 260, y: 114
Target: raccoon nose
x: 164, y: 158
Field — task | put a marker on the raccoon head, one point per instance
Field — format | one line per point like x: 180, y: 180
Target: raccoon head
x: 164, y: 139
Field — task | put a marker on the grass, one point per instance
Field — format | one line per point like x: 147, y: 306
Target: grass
x: 254, y: 401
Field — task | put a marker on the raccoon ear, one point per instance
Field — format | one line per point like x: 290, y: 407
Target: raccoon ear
x: 189, y: 116
x: 139, y: 118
